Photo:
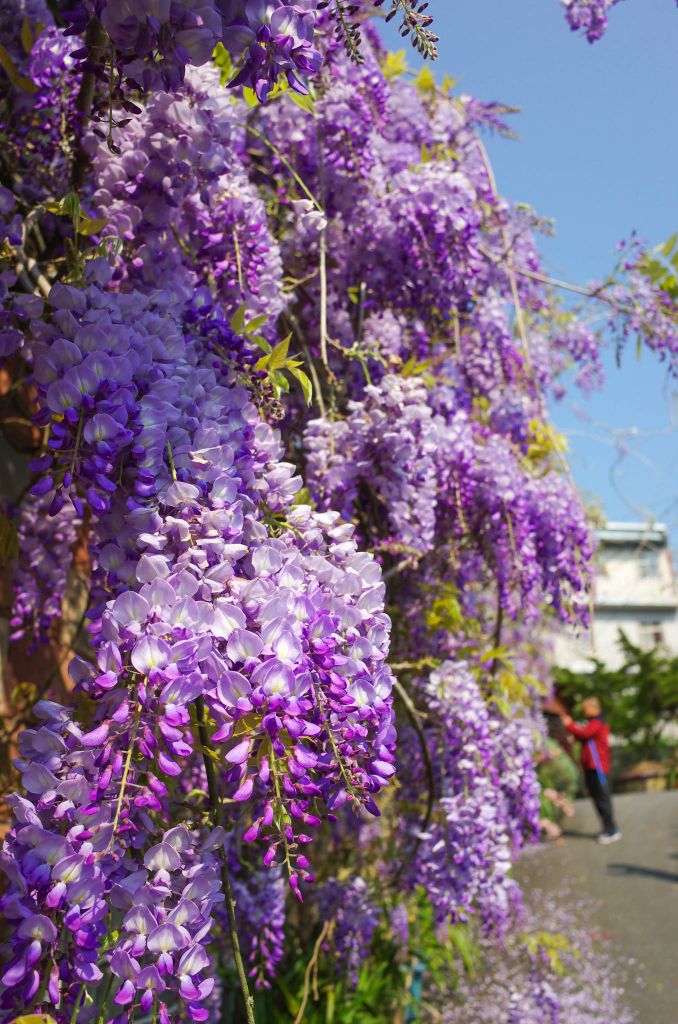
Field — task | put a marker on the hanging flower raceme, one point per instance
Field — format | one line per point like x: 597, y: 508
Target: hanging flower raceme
x: 222, y: 609
x: 260, y: 898
x: 72, y: 886
x: 588, y: 16
x: 38, y: 118
x: 349, y: 908
x: 463, y: 857
x: 44, y: 560
x: 236, y: 696
x: 380, y: 460
x: 641, y: 307
x: 178, y: 195
x: 148, y: 46
x: 516, y: 749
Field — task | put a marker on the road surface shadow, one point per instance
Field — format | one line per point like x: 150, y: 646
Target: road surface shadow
x: 638, y: 869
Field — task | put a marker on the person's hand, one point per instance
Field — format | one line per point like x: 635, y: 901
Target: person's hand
x: 566, y: 720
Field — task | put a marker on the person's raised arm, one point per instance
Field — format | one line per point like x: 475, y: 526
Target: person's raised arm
x: 583, y: 732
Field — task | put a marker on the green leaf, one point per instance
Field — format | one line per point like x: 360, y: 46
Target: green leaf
x: 238, y: 319
x: 277, y: 358
x: 250, y: 97
x: 20, y: 81
x: 255, y: 323
x: 111, y: 245
x: 9, y: 541
x: 425, y: 81
x: 280, y: 381
x: 281, y: 817
x: 669, y: 245
x: 306, y: 386
x: 394, y: 64
x: 8, y: 65
x: 91, y: 225
x: 222, y: 59
x: 412, y: 368
x: 26, y: 84
x: 259, y: 340
x: 305, y: 102
x: 69, y: 206
x: 496, y: 654
x: 331, y: 1004
x: 34, y: 1018
x: 27, y: 38
x: 291, y: 1001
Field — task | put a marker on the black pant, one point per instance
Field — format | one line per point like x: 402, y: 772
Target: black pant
x: 599, y: 792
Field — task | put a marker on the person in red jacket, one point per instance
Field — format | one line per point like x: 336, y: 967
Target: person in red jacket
x: 595, y: 761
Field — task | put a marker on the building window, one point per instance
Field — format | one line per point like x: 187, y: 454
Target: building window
x: 648, y: 563
x: 651, y: 634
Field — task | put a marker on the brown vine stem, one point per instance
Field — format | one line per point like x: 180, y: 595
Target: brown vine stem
x: 316, y: 381
x: 215, y: 814
x: 95, y: 41
x: 309, y: 968
x: 323, y: 298
x: 29, y: 273
x: 554, y: 282
x: 284, y: 161
x: 322, y: 268
x: 413, y: 716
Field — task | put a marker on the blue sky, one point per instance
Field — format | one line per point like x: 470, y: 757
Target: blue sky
x: 598, y: 152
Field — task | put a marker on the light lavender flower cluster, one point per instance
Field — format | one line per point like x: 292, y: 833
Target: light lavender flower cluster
x: 279, y: 636
x: 236, y: 710
x: 45, y: 555
x: 179, y: 175
x: 463, y: 858
x: 380, y: 460
x: 562, y: 976
x: 588, y: 16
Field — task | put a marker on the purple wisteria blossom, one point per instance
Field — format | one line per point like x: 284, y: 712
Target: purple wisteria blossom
x: 588, y: 16
x: 233, y: 726
x: 463, y: 858
x: 199, y: 601
x: 278, y: 38
x: 152, y: 43
x: 179, y: 175
x: 45, y: 555
x: 552, y: 972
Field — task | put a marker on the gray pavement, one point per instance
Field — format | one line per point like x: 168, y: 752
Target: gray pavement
x: 636, y: 884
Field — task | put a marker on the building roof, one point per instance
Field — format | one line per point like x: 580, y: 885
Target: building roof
x: 634, y: 533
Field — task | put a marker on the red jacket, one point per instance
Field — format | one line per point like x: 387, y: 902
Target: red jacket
x: 595, y: 733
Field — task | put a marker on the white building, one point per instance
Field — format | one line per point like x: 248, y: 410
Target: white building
x: 635, y: 590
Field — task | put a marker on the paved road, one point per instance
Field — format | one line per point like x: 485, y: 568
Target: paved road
x: 636, y: 882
